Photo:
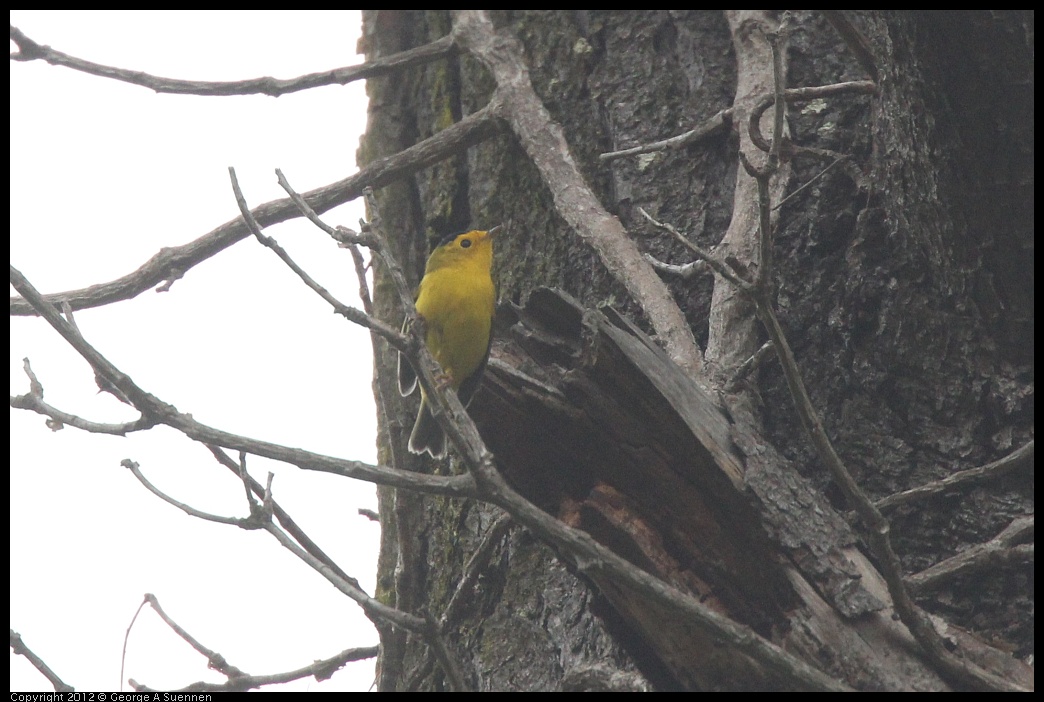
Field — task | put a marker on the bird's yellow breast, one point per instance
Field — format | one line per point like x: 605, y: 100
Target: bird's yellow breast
x: 456, y: 302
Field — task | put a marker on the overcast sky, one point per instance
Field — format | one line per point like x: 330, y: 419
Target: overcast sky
x: 104, y: 175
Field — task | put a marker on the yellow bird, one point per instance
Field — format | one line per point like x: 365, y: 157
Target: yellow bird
x: 456, y: 300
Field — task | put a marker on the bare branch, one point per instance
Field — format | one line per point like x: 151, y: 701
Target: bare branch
x: 321, y: 670
x: 710, y: 126
x: 856, y: 41
x: 156, y: 410
x: 855, y: 87
x: 448, y: 661
x: 261, y: 519
x: 779, y: 82
x: 543, y: 140
x: 344, y: 236
x: 394, y: 269
x: 279, y: 513
x: 919, y: 624
x: 58, y: 420
x: 19, y: 648
x: 999, y: 551
x: 175, y: 261
x: 733, y: 334
x: 347, y: 311
x: 374, y: 608
x: 721, y: 119
x: 29, y: 50
x: 474, y: 567
x: 748, y: 366
x: 360, y: 274
x: 684, y: 271
x: 1019, y: 458
x: 812, y: 180
x: 214, y: 660
x: 135, y: 469
x: 238, y: 680
x: 705, y: 256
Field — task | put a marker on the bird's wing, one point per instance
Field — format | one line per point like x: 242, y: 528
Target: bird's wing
x: 471, y: 384
x: 407, y: 376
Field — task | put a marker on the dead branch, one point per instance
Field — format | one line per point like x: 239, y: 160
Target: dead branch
x: 29, y: 50
x: 347, y: 311
x: 1004, y: 549
x: 542, y: 139
x: 709, y: 127
x: 18, y: 647
x: 589, y: 555
x: 855, y: 39
x: 918, y: 622
x: 1020, y: 458
x: 58, y: 420
x: 178, y: 260
x: 239, y: 681
x: 157, y: 410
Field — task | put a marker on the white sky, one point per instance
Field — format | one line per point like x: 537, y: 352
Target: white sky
x: 103, y: 175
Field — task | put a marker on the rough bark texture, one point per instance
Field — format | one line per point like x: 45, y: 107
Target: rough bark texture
x: 905, y: 286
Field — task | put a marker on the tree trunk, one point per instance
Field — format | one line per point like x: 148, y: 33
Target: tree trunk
x: 905, y: 288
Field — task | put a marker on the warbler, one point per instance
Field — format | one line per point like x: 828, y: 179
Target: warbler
x: 456, y: 300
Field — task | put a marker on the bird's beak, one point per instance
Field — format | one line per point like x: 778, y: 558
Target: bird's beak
x: 495, y: 230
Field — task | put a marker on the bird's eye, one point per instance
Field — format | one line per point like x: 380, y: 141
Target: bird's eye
x: 465, y: 243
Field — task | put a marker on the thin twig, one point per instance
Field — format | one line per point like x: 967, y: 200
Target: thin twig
x: 450, y: 665
x: 261, y: 519
x: 58, y: 419
x: 156, y: 410
x: 684, y: 271
x: 344, y: 237
x: 390, y: 333
x: 29, y: 50
x: 710, y: 126
x: 369, y: 604
x: 998, y: 552
x: 748, y: 366
x: 469, y: 131
x: 285, y: 520
x: 474, y: 567
x: 720, y: 268
x: 360, y: 274
x: 402, y: 288
x: 321, y: 670
x: 812, y: 180
x: 135, y: 469
x: 1021, y: 457
x: 214, y: 659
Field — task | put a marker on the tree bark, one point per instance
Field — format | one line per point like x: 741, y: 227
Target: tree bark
x: 904, y: 286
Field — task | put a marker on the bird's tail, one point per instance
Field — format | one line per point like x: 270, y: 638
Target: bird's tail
x: 427, y: 435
